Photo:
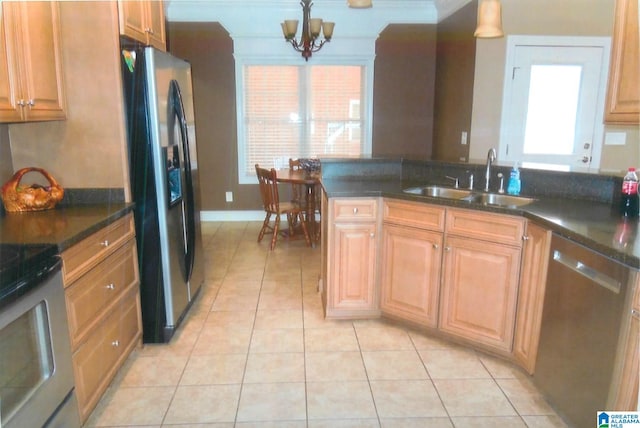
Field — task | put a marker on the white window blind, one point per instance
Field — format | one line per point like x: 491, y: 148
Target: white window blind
x: 291, y: 111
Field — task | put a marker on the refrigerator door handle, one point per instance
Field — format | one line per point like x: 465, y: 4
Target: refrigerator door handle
x: 189, y: 205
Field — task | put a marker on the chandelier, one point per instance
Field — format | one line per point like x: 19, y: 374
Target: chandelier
x: 311, y: 29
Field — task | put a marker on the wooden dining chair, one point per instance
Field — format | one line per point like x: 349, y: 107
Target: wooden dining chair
x: 272, y: 206
x: 297, y: 190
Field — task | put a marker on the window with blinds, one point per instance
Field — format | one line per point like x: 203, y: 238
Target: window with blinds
x: 293, y: 111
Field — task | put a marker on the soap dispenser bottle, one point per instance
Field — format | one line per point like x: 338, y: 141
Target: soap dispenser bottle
x: 513, y: 188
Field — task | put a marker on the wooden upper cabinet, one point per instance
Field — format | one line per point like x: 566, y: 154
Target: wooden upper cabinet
x: 623, y: 95
x: 31, y: 80
x: 143, y: 21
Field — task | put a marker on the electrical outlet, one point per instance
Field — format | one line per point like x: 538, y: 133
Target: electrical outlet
x: 228, y: 196
x: 463, y: 138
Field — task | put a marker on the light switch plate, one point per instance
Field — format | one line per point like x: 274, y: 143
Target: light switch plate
x: 228, y: 196
x: 615, y: 138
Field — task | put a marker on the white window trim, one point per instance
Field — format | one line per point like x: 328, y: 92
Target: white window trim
x: 367, y: 62
x: 526, y: 40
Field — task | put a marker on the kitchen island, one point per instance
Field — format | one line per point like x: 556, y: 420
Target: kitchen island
x: 470, y: 272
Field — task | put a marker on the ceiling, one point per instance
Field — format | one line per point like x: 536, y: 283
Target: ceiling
x: 426, y: 11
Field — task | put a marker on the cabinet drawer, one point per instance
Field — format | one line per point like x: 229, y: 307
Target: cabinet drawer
x: 414, y: 214
x: 95, y: 293
x: 491, y: 227
x: 354, y: 209
x: 96, y: 362
x: 80, y: 258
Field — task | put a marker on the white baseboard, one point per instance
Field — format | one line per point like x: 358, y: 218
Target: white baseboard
x: 231, y: 215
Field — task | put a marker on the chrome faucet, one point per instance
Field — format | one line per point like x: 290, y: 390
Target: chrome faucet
x: 491, y: 157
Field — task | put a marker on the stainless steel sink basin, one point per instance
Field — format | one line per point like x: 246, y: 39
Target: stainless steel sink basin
x: 438, y: 192
x: 499, y: 199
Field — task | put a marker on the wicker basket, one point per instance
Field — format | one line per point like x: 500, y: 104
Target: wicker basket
x: 18, y: 198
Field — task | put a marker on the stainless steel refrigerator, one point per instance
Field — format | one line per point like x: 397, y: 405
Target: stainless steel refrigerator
x: 164, y: 183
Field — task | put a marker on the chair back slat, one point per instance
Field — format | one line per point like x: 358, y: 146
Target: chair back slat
x: 268, y: 189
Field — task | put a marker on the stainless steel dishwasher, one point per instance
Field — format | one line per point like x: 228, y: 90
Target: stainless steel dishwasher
x: 587, y: 310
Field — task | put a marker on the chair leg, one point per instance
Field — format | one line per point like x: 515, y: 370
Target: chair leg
x: 276, y: 226
x: 291, y: 222
x: 304, y: 230
x: 265, y: 226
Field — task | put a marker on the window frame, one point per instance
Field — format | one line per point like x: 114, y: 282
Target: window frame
x: 241, y: 62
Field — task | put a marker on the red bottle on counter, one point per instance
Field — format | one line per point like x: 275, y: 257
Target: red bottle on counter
x: 629, y: 201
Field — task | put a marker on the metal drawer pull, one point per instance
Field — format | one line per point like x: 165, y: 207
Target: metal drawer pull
x: 635, y: 313
x: 111, y: 286
x: 355, y: 211
x: 577, y: 266
x: 115, y: 343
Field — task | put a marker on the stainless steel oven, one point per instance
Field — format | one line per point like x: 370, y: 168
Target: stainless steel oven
x: 36, y: 374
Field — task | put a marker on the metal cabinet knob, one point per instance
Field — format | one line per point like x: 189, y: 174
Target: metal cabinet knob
x: 525, y: 238
x: 110, y: 286
x: 372, y: 235
x: 115, y: 343
x: 31, y: 103
x: 436, y: 246
x: 355, y: 210
x: 105, y: 243
x: 447, y: 249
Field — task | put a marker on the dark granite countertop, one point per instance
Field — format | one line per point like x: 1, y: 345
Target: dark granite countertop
x: 63, y: 226
x: 596, y: 225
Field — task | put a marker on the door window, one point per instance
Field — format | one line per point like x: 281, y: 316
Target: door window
x: 553, y: 101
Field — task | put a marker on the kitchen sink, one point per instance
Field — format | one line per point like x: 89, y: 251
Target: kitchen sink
x: 495, y: 199
x: 499, y: 199
x: 438, y: 192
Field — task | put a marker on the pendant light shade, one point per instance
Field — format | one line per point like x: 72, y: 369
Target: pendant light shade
x: 489, y: 19
x: 359, y: 4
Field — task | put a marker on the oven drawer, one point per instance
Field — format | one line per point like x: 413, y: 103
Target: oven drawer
x: 106, y: 348
x: 95, y: 293
x: 87, y: 253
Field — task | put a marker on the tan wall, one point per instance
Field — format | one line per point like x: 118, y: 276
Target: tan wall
x: 88, y: 150
x: 403, y: 108
x: 454, y: 84
x: 403, y: 94
x: 537, y: 17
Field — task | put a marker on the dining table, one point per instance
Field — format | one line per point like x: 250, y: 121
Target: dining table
x: 310, y: 180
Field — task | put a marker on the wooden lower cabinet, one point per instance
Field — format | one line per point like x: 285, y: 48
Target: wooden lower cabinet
x: 531, y: 295
x: 628, y: 375
x: 354, y: 276
x: 350, y: 235
x: 102, y: 295
x: 97, y: 360
x: 479, y: 292
x: 410, y: 280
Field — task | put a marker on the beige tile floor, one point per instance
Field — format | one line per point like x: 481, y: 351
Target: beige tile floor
x: 255, y: 351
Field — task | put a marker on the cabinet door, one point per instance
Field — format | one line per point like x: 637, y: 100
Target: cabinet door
x: 411, y: 274
x: 531, y: 295
x: 9, y: 109
x: 155, y: 22
x: 479, y: 291
x: 42, y: 58
x: 132, y: 19
x: 623, y: 96
x: 352, y: 282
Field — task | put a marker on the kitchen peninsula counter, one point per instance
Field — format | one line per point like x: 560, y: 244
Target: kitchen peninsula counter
x: 594, y: 224
x: 63, y: 226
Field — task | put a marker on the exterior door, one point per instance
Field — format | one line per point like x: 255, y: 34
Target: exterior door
x: 553, y: 101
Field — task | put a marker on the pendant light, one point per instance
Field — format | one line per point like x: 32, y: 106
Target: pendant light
x: 359, y: 4
x: 489, y: 20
